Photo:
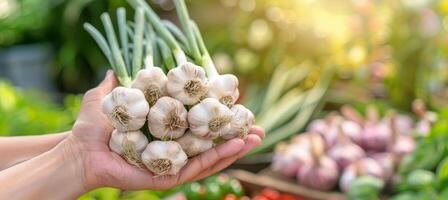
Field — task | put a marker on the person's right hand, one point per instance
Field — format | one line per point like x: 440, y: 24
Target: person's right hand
x: 100, y: 167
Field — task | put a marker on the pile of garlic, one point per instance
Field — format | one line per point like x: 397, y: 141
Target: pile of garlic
x: 185, y: 110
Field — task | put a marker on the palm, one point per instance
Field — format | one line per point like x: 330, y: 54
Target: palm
x: 105, y: 168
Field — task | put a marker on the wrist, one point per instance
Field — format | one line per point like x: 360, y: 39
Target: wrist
x: 74, y: 155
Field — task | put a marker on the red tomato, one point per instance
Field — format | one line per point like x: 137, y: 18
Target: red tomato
x: 270, y: 193
x: 244, y: 198
x: 288, y: 197
x: 260, y: 197
x: 230, y: 197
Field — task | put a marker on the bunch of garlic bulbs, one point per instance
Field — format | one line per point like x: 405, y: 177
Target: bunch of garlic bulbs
x: 182, y: 103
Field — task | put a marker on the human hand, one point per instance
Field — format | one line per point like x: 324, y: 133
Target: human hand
x: 101, y: 167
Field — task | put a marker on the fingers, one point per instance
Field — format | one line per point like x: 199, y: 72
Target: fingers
x: 109, y: 83
x: 252, y: 141
x: 257, y: 131
x: 210, y: 158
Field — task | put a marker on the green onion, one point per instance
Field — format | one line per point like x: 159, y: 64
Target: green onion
x: 184, y: 18
x: 102, y: 43
x: 122, y: 28
x: 169, y: 39
x: 307, y: 109
x: 121, y: 71
x: 166, y: 54
x: 138, y: 42
x: 177, y: 34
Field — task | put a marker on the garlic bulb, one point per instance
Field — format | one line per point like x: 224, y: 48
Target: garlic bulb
x: 400, y: 144
x: 224, y: 88
x: 164, y: 157
x: 376, y: 135
x: 345, y: 151
x: 127, y: 108
x: 152, y: 82
x: 403, y: 123
x: 210, y: 119
x: 167, y: 119
x: 350, y: 129
x: 129, y: 145
x: 387, y: 161
x: 423, y: 127
x: 194, y: 145
x: 309, y: 141
x: 321, y: 126
x: 318, y: 126
x: 289, y: 159
x: 365, y: 166
x: 321, y: 173
x: 187, y: 83
x: 242, y: 120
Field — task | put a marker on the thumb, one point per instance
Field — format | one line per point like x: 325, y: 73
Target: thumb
x: 109, y: 82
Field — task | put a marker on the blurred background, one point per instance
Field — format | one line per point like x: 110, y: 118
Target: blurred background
x: 356, y: 52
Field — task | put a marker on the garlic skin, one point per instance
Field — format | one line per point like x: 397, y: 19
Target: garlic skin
x: 224, y: 88
x: 194, y: 145
x: 130, y: 145
x: 152, y: 82
x: 167, y: 119
x: 350, y: 129
x: 187, y: 83
x: 345, y: 153
x: 376, y: 137
x: 388, y: 161
x: 126, y: 108
x: 242, y: 120
x: 289, y: 159
x: 322, y: 174
x: 164, y: 157
x: 210, y: 119
x: 309, y: 141
x: 318, y: 126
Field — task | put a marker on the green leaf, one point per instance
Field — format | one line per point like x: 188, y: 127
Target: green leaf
x: 442, y: 173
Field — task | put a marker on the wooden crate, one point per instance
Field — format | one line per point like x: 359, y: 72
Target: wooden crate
x: 253, y: 183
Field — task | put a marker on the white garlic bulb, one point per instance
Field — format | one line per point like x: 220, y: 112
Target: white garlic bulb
x: 127, y: 108
x: 194, y: 145
x: 129, y: 145
x: 210, y: 119
x: 242, y: 120
x: 224, y: 88
x: 152, y: 82
x: 167, y: 119
x: 164, y: 157
x: 187, y: 83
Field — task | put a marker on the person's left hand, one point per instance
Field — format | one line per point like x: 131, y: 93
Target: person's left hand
x: 101, y: 167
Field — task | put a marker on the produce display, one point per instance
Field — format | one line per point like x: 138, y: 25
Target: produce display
x: 220, y: 186
x: 170, y: 90
x: 348, y: 150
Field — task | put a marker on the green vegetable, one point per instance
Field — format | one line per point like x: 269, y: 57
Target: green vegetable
x: 366, y: 188
x: 442, y: 173
x: 420, y: 179
x: 235, y: 188
x: 213, y: 191
x: 405, y: 196
x: 427, y: 155
x: 102, y: 194
x: 192, y: 191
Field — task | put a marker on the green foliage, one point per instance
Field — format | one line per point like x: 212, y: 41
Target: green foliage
x: 23, y: 20
x: 26, y: 113
x: 366, y: 188
x: 421, y: 179
x: 442, y: 174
